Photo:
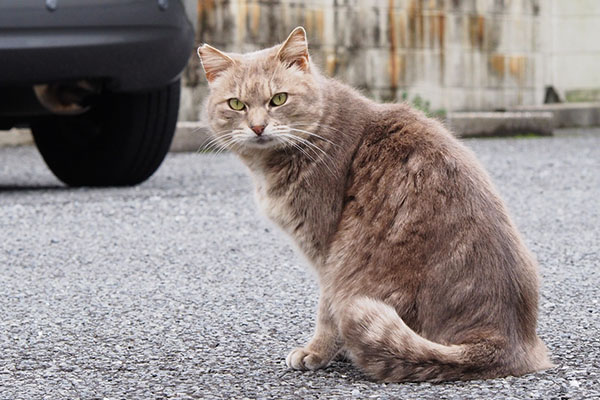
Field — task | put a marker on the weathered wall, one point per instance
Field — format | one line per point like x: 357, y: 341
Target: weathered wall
x: 457, y: 54
x: 571, y: 47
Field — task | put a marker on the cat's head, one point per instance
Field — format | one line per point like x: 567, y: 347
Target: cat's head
x: 267, y: 99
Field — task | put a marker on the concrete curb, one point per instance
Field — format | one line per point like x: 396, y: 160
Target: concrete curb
x: 190, y: 136
x: 15, y: 137
x: 569, y: 115
x: 489, y: 124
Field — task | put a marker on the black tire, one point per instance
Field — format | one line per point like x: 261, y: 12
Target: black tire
x: 120, y: 141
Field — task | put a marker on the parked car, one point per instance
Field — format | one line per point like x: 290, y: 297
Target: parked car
x: 98, y: 82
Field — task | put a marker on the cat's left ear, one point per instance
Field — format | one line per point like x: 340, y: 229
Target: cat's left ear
x: 294, y: 51
x: 213, y: 61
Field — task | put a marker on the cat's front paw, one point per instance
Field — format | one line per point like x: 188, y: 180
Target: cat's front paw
x: 303, y: 359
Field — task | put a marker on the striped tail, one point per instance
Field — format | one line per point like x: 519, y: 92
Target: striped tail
x: 388, y: 350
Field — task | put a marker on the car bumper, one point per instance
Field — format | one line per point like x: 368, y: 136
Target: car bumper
x: 131, y: 45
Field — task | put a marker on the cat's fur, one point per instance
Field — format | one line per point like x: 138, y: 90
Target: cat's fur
x: 423, y: 276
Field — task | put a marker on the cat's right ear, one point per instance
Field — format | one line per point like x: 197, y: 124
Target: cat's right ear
x: 213, y: 61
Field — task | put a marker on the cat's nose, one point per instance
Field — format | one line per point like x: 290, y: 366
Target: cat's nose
x: 258, y: 129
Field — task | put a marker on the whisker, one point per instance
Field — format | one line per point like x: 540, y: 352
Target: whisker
x: 221, y: 141
x: 211, y: 143
x: 290, y: 140
x: 309, y: 143
x: 288, y: 128
x: 312, y: 134
x: 327, y: 159
x: 217, y: 150
x: 311, y: 146
x: 326, y: 126
x: 319, y: 125
x: 227, y: 145
x: 309, y: 171
x: 218, y: 143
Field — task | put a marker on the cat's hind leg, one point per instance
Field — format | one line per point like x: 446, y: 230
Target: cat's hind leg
x: 322, y: 348
x: 385, y: 348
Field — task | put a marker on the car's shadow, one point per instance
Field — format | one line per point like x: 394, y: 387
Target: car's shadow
x: 32, y: 188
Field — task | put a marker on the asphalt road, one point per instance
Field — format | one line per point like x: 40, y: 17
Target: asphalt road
x: 178, y: 289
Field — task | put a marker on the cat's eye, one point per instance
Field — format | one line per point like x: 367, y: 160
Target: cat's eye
x: 278, y: 99
x: 236, y: 104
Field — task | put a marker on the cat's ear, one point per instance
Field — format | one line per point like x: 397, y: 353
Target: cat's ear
x: 294, y: 51
x: 213, y: 61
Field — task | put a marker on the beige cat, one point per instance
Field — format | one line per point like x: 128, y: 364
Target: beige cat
x: 423, y: 276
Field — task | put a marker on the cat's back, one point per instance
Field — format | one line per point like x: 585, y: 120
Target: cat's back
x: 401, y: 144
x: 411, y: 170
x: 421, y: 203
x: 401, y: 130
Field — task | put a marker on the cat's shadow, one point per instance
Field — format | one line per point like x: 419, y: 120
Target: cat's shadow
x: 339, y: 370
x: 342, y: 370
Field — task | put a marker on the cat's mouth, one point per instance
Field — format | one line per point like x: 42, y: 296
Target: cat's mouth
x: 261, y: 141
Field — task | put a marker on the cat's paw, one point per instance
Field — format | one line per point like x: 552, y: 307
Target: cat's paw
x: 303, y: 359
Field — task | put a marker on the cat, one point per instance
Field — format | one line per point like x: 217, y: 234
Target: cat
x: 422, y: 274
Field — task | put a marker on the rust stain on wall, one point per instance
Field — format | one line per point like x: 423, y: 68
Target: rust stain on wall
x: 255, y: 17
x: 416, y: 26
x: 205, y: 17
x: 308, y: 21
x: 193, y: 72
x: 402, y: 36
x: 442, y: 43
x: 421, y: 24
x: 320, y: 22
x: 412, y: 23
x: 331, y: 64
x: 477, y: 30
x: 516, y: 67
x: 432, y: 23
x: 442, y: 30
x: 393, y: 59
x: 205, y: 7
x: 242, y: 14
x: 498, y: 65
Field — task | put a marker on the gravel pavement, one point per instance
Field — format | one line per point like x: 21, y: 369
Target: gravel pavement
x: 178, y: 289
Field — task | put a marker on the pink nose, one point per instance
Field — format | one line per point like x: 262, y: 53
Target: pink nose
x: 258, y: 129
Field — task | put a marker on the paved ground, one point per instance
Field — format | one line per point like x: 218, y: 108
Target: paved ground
x: 177, y: 289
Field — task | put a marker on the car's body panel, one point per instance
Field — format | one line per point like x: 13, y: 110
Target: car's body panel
x: 131, y: 44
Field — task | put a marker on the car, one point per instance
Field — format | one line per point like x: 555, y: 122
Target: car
x: 97, y: 81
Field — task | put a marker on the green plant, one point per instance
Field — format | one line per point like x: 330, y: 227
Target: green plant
x: 420, y: 103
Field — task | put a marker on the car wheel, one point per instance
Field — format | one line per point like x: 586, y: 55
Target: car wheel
x: 120, y: 141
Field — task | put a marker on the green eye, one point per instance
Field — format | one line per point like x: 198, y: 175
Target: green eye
x: 236, y: 105
x: 278, y: 99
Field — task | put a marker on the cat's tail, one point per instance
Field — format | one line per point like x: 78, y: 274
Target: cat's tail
x: 388, y: 350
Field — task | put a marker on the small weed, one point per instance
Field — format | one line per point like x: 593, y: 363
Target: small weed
x: 526, y: 135
x: 424, y: 105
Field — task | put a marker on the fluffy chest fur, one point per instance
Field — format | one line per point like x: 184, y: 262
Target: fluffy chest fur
x: 278, y: 209
x: 286, y: 195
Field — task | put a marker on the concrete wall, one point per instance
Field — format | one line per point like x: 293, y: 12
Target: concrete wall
x: 572, y: 48
x: 456, y: 54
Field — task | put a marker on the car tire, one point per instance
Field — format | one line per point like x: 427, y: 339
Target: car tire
x: 120, y: 141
